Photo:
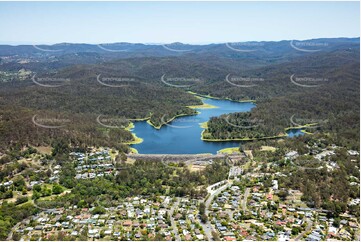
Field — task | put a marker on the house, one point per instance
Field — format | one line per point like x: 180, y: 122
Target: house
x: 353, y: 225
x: 235, y: 188
x: 188, y: 237
x: 312, y: 237
x: 93, y: 233
x: 229, y: 238
x: 275, y: 184
x: 136, y: 224
x: 283, y: 237
x: 221, y: 228
x: 127, y: 223
x: 281, y: 223
x: 177, y: 216
x: 291, y: 209
x: 200, y: 236
x: 323, y: 154
x: 291, y: 155
x: 162, y: 212
x: 38, y: 227
x: 227, y: 206
x: 352, y: 152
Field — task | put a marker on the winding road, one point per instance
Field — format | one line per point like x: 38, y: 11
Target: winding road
x: 208, y: 227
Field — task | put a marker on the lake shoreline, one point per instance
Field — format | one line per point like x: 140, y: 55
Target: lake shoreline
x: 242, y: 139
x: 218, y: 98
x: 207, y: 105
x: 254, y: 139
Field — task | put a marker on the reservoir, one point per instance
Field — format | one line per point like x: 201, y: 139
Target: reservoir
x: 183, y: 134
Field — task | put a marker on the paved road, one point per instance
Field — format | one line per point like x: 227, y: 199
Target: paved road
x: 16, y: 226
x: 10, y: 236
x: 212, y: 193
x: 309, y: 226
x: 175, y: 230
x: 175, y: 157
x: 208, y: 227
x: 215, y: 193
x: 244, y: 201
x: 186, y: 158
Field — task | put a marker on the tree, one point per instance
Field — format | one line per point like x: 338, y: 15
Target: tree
x: 81, y: 204
x: 8, y: 194
x: 57, y: 189
x: 20, y: 200
x: 60, y: 148
x: 336, y: 222
x: 123, y: 156
x: 215, y: 236
x: 295, y: 230
x: 37, y: 188
x: 283, y: 194
x: 16, y: 236
x: 98, y: 210
x: 204, y: 218
x: 202, y: 208
x: 36, y: 195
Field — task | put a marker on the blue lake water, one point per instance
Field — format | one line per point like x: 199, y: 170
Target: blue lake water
x: 183, y: 134
x: 295, y: 132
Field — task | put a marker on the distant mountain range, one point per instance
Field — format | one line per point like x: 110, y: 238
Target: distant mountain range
x: 123, y: 49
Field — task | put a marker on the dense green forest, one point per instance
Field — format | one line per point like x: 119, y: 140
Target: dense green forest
x: 332, y: 106
x: 11, y: 214
x: 129, y: 86
x: 17, y: 128
x: 77, y: 108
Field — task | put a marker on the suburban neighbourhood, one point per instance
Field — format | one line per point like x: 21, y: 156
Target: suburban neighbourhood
x: 248, y: 205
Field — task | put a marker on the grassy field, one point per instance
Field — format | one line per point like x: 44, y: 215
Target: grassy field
x: 133, y: 150
x: 44, y: 149
x: 230, y: 150
x: 268, y: 148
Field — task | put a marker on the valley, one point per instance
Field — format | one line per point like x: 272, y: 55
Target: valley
x: 151, y: 144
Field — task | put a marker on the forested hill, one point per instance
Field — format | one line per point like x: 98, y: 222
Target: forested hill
x: 150, y: 81
x: 322, y: 88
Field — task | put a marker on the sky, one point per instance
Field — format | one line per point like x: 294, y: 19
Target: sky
x: 168, y: 22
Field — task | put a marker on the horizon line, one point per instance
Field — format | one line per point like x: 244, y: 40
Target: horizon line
x: 15, y: 43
